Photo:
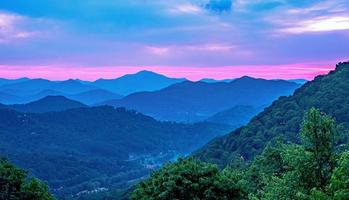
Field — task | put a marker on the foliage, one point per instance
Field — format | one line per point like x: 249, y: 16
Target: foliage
x: 191, y: 179
x: 339, y: 184
x: 307, y: 171
x: 80, y: 150
x: 318, y: 134
x: 307, y: 167
x: 14, y: 184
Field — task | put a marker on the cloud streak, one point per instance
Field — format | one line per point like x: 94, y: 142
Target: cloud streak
x: 320, y: 24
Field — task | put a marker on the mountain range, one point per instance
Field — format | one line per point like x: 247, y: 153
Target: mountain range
x: 24, y: 90
x: 79, y: 148
x: 195, y: 101
x: 281, y: 120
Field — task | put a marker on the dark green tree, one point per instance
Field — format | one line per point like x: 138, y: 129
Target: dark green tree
x: 339, y: 185
x: 188, y: 179
x: 14, y: 184
x: 319, y: 133
x: 305, y: 169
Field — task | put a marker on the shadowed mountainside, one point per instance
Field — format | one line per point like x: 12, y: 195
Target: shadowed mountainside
x: 329, y: 93
x: 196, y: 101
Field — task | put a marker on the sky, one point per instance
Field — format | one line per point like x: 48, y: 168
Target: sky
x: 91, y: 39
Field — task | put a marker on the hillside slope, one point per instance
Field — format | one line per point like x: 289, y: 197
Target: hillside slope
x: 48, y: 104
x: 329, y: 93
x: 84, y: 149
x: 236, y: 116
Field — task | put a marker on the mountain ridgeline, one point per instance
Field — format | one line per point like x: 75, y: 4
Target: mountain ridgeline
x: 141, y: 81
x: 282, y: 119
x: 47, y: 104
x: 195, y: 101
x: 24, y: 90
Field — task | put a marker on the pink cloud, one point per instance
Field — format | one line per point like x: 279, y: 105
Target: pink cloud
x: 192, y: 73
x: 185, y: 49
x: 158, y: 50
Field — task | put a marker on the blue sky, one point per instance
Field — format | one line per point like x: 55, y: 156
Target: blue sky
x: 169, y: 34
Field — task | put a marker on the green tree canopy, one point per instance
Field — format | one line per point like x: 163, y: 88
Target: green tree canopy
x: 318, y: 134
x: 188, y: 179
x: 340, y: 179
x: 307, y: 171
x: 15, y: 185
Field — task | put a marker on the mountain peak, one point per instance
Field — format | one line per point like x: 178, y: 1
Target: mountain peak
x: 247, y: 77
x: 48, y: 104
x: 53, y: 97
x: 147, y: 72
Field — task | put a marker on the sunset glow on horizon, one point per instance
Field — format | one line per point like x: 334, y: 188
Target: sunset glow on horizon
x: 191, y: 73
x: 194, y: 39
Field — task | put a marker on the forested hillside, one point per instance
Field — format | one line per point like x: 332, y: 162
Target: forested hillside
x: 17, y: 185
x: 95, y: 149
x: 315, y: 169
x: 281, y: 120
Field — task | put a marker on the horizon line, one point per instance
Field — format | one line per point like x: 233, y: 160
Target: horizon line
x: 269, y: 72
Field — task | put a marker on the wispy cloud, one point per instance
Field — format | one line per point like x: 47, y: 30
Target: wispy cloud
x: 185, y: 8
x: 188, y: 49
x: 320, y: 24
x: 10, y: 28
x: 158, y: 50
x: 322, y: 16
x: 15, y: 27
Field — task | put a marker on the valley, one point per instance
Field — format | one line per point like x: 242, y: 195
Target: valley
x: 83, y: 150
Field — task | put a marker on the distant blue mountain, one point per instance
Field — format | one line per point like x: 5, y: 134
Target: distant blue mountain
x: 35, y: 86
x: 25, y: 90
x: 193, y: 101
x: 299, y: 81
x: 141, y: 81
x: 6, y: 98
x: 236, y: 116
x: 48, y: 104
x: 27, y: 87
x: 42, y: 94
x: 4, y: 81
x: 94, y: 96
x: 210, y: 80
x: 29, y: 90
